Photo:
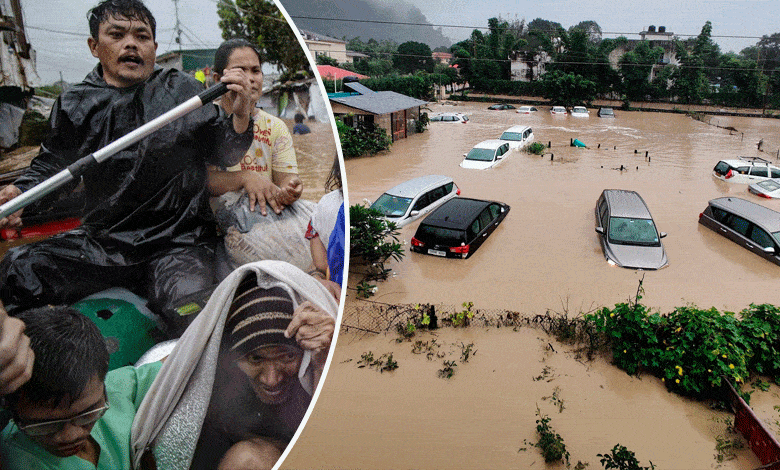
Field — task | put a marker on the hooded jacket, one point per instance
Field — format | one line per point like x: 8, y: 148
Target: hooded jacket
x: 152, y: 194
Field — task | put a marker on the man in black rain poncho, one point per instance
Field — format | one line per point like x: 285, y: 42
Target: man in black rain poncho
x: 147, y: 224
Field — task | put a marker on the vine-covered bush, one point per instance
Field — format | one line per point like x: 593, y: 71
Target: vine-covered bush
x: 690, y: 349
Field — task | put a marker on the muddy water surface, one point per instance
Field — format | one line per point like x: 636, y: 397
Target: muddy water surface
x: 484, y: 417
x: 545, y: 255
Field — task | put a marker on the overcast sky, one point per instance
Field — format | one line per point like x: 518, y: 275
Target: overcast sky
x: 58, y: 28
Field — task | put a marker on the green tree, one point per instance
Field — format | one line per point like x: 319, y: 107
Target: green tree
x: 568, y: 89
x: 690, y: 80
x: 325, y: 60
x: 261, y: 22
x: 412, y: 56
x: 635, y: 68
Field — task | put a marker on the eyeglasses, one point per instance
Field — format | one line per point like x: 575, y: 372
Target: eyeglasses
x: 53, y: 427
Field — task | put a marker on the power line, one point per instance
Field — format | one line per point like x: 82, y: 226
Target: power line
x: 404, y: 23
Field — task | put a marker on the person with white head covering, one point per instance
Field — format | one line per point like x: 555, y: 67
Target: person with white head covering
x: 246, y: 368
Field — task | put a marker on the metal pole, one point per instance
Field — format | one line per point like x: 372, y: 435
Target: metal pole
x: 83, y: 164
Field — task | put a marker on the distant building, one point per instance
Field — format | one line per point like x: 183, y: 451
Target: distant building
x: 321, y: 45
x: 658, y: 38
x: 188, y: 60
x: 442, y: 57
x: 527, y: 67
x: 389, y: 110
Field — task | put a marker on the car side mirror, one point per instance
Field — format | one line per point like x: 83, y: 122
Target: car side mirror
x: 662, y: 234
x: 600, y: 230
x: 770, y: 250
x: 464, y: 154
x: 414, y: 213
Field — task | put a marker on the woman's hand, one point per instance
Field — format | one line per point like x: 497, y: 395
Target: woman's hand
x: 261, y: 191
x: 290, y: 191
x: 238, y: 100
x: 313, y: 329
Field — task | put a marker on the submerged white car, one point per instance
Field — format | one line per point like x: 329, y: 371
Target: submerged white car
x: 746, y: 170
x: 526, y: 109
x: 485, y: 154
x: 557, y: 110
x: 518, y: 136
x: 413, y: 199
x: 580, y: 111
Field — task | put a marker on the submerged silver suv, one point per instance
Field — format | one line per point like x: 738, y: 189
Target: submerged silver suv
x: 628, y: 234
x: 746, y: 223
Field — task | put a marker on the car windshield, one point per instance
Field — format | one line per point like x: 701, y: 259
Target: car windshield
x: 579, y: 109
x: 511, y: 136
x: 630, y: 231
x: 482, y: 155
x: 606, y: 111
x: 769, y: 185
x: 776, y: 235
x: 558, y: 109
x: 440, y: 235
x: 391, y: 206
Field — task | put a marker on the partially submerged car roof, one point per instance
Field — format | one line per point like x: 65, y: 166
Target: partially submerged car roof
x: 415, y: 186
x: 490, y: 144
x: 456, y: 213
x: 518, y: 129
x: 757, y: 213
x: 623, y: 203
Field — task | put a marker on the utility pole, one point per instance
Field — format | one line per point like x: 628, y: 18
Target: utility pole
x: 177, y: 26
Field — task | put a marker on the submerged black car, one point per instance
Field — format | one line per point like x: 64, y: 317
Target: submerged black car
x: 458, y: 227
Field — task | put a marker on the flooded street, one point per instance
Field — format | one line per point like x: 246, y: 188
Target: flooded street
x: 545, y: 255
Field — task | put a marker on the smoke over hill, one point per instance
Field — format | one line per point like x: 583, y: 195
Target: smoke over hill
x: 372, y: 10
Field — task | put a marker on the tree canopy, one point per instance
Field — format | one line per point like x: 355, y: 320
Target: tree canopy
x: 261, y: 22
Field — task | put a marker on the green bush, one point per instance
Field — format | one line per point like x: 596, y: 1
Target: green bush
x: 690, y: 349
x: 620, y: 458
x: 536, y: 148
x: 372, y: 241
x: 360, y: 141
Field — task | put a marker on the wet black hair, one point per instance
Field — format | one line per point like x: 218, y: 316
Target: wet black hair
x: 299, y: 117
x: 334, y: 178
x: 69, y: 352
x: 222, y: 56
x: 130, y: 9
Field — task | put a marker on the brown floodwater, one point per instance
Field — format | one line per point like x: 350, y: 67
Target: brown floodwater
x: 545, y: 255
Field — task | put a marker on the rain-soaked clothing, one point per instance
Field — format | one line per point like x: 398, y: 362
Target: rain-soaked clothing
x: 147, y: 214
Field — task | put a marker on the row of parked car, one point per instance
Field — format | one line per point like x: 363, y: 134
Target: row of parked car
x: 576, y: 111
x: 455, y: 227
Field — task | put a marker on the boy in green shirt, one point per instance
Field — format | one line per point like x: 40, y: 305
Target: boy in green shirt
x: 72, y: 413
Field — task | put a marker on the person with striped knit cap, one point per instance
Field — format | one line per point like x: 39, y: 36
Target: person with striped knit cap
x: 241, y: 379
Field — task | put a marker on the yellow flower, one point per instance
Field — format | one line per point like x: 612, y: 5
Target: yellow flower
x: 709, y: 370
x: 679, y: 371
x: 663, y: 379
x: 731, y: 366
x: 678, y: 330
x: 676, y: 380
x: 624, y: 351
x: 725, y: 356
x: 611, y: 315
